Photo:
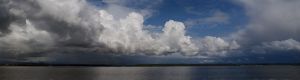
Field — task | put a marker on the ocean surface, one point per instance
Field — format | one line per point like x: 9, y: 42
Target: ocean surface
x: 151, y: 73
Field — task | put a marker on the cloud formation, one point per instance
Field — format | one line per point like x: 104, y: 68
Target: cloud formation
x: 216, y: 46
x: 127, y: 35
x: 23, y: 37
x: 289, y: 44
x: 43, y: 25
x: 216, y: 17
x: 270, y: 21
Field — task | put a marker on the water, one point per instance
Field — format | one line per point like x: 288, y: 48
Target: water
x: 151, y: 73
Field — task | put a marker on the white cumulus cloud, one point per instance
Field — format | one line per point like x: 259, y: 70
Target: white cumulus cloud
x: 216, y: 46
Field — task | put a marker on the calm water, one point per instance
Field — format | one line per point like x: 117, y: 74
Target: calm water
x: 151, y: 73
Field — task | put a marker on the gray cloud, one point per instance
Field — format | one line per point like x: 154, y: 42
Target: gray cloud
x: 270, y: 20
x: 217, y: 17
x: 41, y: 24
x: 4, y: 18
x: 273, y: 25
x: 289, y: 44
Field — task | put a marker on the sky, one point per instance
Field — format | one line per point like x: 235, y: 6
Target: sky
x: 149, y: 31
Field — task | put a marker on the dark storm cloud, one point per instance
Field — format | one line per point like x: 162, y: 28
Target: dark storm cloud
x: 5, y: 18
x: 28, y: 25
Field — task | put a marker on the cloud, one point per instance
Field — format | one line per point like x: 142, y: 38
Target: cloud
x: 37, y: 26
x: 145, y: 7
x: 217, y: 17
x: 32, y: 23
x: 270, y: 20
x: 216, y: 46
x: 127, y: 35
x: 191, y: 10
x: 23, y: 38
x: 289, y: 44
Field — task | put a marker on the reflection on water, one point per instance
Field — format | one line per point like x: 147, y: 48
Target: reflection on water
x: 151, y: 73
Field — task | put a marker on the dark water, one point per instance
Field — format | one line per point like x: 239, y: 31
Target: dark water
x: 152, y: 73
